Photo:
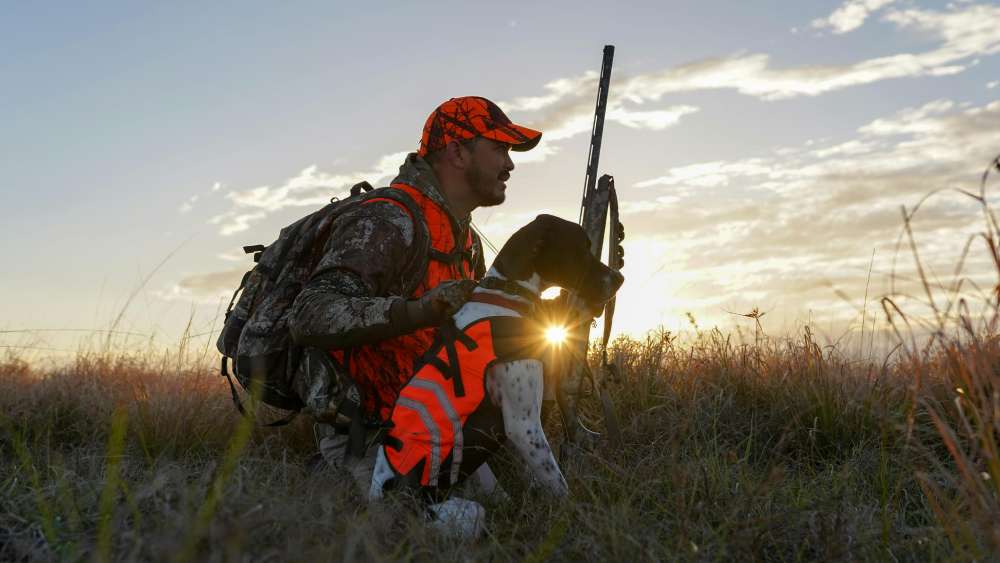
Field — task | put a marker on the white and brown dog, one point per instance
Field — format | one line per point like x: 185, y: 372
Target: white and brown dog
x: 481, y: 383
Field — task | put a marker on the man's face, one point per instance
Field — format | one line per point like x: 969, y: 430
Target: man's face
x: 489, y: 171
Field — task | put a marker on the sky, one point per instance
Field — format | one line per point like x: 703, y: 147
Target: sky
x: 762, y: 151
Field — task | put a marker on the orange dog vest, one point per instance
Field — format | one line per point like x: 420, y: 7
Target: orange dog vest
x: 429, y: 442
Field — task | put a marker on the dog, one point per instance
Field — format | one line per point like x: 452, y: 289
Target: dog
x: 481, y: 383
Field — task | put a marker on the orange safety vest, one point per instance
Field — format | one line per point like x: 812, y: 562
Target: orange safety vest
x: 427, y: 443
x: 380, y: 370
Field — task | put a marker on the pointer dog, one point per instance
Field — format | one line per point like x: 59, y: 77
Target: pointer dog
x: 480, y: 383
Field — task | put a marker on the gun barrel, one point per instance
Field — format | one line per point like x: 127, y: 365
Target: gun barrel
x: 597, y: 132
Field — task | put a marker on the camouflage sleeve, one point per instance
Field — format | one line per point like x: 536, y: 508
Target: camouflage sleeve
x: 353, y: 296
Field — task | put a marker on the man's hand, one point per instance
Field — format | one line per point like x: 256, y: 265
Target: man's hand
x: 447, y: 297
x: 437, y: 304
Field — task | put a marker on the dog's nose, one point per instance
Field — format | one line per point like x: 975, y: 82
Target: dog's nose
x: 610, y: 281
x: 617, y: 279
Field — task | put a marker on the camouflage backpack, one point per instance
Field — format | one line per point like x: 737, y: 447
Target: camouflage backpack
x: 255, y: 336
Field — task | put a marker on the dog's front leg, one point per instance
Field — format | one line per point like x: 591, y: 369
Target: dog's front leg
x: 518, y: 387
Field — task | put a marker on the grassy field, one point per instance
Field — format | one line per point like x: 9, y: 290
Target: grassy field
x: 777, y: 449
x: 756, y: 448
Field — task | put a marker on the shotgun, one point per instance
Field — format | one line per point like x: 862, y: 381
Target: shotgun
x: 599, y: 197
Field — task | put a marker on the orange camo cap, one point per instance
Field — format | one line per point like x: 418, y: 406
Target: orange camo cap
x: 463, y: 118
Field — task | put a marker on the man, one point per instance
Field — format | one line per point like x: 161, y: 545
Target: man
x: 364, y: 317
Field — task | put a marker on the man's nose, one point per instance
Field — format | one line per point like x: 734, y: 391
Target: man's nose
x: 508, y: 164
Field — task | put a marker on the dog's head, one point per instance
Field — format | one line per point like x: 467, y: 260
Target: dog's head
x: 558, y: 251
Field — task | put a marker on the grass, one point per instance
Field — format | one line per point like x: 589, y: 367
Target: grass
x: 772, y: 450
x: 733, y: 449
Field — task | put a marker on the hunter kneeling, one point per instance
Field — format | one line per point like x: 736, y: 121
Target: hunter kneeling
x: 393, y: 268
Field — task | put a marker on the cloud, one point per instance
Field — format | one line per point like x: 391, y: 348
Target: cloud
x: 188, y: 204
x: 543, y: 150
x: 795, y: 228
x: 310, y: 187
x: 235, y: 255
x: 557, y: 91
x: 909, y: 120
x: 567, y: 109
x: 233, y: 222
x: 850, y: 15
x: 204, y: 288
x: 655, y: 120
x: 933, y: 142
x: 708, y: 174
x: 961, y: 34
x: 993, y: 84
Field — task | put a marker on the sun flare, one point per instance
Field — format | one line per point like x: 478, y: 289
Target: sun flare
x: 555, y: 334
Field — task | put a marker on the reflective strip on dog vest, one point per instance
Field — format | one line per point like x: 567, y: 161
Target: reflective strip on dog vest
x: 432, y: 431
x: 456, y: 423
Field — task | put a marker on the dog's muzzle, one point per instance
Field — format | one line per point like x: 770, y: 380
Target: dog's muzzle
x: 603, y: 284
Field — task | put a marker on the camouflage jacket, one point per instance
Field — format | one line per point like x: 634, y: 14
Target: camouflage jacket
x: 356, y: 291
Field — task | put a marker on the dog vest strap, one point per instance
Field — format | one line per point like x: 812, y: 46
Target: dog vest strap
x: 450, y: 334
x: 392, y: 442
x: 514, y: 339
x: 446, y: 337
x: 508, y: 286
x: 500, y: 301
x: 464, y: 338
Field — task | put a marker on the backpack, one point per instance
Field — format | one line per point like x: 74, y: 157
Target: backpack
x: 255, y: 336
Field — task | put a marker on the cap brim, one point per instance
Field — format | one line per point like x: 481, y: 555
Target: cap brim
x: 519, y: 137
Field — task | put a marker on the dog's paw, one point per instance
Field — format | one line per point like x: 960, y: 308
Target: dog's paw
x: 499, y: 495
x: 579, y: 441
x: 461, y: 519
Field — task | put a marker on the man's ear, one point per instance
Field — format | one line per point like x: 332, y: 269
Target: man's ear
x: 457, y: 155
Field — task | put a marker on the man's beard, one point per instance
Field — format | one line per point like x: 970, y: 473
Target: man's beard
x: 484, y: 187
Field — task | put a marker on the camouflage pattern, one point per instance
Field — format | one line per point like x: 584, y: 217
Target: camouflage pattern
x: 255, y: 334
x: 342, y: 304
x: 359, y: 288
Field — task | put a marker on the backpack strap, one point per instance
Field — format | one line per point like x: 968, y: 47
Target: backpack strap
x: 239, y: 404
x: 460, y: 254
x: 417, y: 265
x: 362, y: 185
x: 478, y: 258
x: 454, y: 258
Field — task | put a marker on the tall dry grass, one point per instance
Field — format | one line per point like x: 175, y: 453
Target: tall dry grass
x: 961, y: 360
x: 771, y: 449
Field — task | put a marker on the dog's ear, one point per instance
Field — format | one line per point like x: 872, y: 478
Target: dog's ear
x: 544, y: 224
x: 565, y: 249
x: 518, y: 256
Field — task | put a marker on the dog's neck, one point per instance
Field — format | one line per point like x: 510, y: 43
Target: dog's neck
x: 490, y: 299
